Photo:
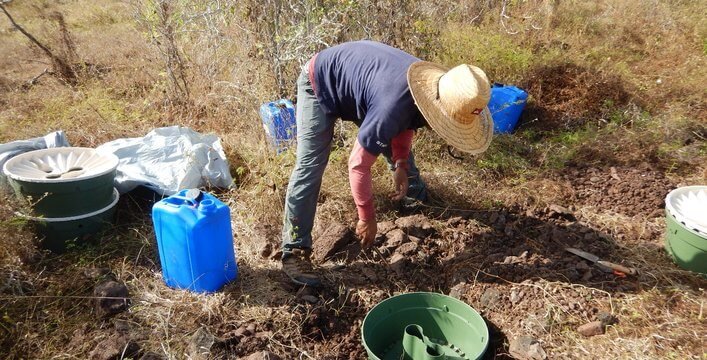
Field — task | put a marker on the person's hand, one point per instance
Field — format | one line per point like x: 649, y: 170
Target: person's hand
x: 366, y: 231
x: 400, y: 184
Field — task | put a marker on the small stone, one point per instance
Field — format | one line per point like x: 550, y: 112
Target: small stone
x: 416, y: 225
x: 251, y: 328
x: 115, y: 347
x: 591, y: 329
x: 397, y: 263
x: 407, y: 249
x: 459, y: 290
x: 121, y: 326
x: 262, y: 355
x: 395, y: 238
x: 310, y: 299
x: 526, y: 348
x: 607, y: 318
x: 490, y: 297
x: 111, y: 298
x: 385, y: 226
x: 200, y: 344
x: 594, y: 179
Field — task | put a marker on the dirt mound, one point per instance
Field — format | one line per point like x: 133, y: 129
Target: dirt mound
x: 629, y: 191
x: 567, y: 96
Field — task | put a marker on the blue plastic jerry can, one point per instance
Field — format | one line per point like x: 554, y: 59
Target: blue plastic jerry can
x: 506, y: 105
x: 279, y: 123
x: 195, y: 241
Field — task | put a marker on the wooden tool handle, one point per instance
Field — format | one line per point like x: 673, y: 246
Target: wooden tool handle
x: 617, y: 267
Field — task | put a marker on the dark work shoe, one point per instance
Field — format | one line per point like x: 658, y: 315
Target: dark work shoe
x: 298, y: 267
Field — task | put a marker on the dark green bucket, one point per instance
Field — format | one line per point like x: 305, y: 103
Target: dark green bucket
x: 59, y: 234
x: 62, y: 182
x: 424, y: 326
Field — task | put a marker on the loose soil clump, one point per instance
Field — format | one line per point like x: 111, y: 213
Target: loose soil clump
x: 567, y: 96
x: 629, y: 191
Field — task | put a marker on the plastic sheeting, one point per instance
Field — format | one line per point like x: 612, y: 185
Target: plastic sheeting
x: 11, y: 149
x: 169, y: 159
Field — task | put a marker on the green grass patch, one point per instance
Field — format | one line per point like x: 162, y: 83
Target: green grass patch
x: 494, y: 52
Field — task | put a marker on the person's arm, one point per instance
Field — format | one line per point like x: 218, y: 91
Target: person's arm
x: 400, y: 147
x: 361, y: 181
x: 360, y: 163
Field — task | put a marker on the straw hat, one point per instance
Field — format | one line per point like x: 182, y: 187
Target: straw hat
x: 454, y: 103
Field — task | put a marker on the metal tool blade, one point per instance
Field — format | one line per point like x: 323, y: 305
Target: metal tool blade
x: 591, y: 257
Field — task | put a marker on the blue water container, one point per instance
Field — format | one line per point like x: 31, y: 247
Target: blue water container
x: 506, y: 105
x: 279, y: 123
x: 195, y: 241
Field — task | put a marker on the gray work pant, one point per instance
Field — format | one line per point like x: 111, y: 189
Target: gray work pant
x: 315, y: 131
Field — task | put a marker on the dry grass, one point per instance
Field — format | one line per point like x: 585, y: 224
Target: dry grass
x: 46, y: 303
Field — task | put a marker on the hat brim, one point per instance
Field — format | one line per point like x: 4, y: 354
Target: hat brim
x: 472, y: 137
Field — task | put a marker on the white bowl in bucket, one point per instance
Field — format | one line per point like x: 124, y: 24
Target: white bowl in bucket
x: 689, y: 206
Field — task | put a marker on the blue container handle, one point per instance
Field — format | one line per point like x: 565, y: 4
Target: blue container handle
x: 172, y: 200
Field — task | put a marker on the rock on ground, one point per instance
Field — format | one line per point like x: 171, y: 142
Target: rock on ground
x: 385, y: 226
x: 607, y: 318
x: 395, y: 238
x: 490, y: 298
x: 111, y: 298
x: 200, y: 344
x: 333, y: 239
x: 407, y: 249
x: 527, y: 348
x: 416, y: 225
x: 459, y: 290
x: 115, y: 347
x: 398, y: 263
x: 592, y: 328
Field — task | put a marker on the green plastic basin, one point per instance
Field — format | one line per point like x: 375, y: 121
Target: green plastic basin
x: 59, y: 234
x: 422, y: 326
x: 687, y: 248
x: 686, y: 227
x: 62, y: 182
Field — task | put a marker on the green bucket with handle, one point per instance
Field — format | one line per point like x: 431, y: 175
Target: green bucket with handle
x: 686, y: 227
x: 424, y: 326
